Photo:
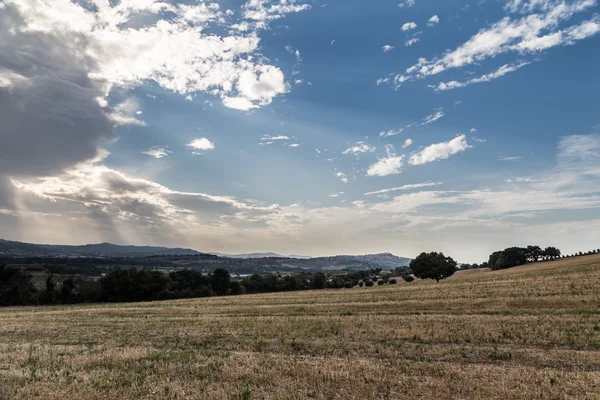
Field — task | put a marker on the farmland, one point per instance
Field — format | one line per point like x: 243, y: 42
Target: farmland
x: 528, y: 332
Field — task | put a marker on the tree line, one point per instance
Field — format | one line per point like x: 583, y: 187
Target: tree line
x: 134, y: 285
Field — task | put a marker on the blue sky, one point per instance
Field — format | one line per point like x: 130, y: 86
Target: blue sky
x: 304, y: 126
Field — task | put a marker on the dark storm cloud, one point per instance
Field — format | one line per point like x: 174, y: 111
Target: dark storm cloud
x: 49, y: 112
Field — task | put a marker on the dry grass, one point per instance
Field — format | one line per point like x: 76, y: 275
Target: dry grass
x: 529, y: 333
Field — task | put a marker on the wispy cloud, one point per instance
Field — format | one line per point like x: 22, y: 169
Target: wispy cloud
x: 156, y: 152
x: 407, y: 3
x: 529, y: 34
x: 503, y: 70
x: 387, y: 48
x: 404, y: 187
x: 360, y: 147
x: 433, y: 117
x: 509, y: 158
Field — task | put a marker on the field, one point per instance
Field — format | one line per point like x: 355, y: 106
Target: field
x: 531, y: 332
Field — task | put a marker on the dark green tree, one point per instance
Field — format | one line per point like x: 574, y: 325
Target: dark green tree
x: 219, y: 280
x: 16, y: 287
x: 318, y: 281
x: 433, y: 266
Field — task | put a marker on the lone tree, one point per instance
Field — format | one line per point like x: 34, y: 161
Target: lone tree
x: 433, y: 266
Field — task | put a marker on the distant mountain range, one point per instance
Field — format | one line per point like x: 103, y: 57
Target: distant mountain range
x: 108, y: 250
x: 89, y: 250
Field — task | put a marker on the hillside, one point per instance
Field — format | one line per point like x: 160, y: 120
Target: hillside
x: 89, y: 250
x: 529, y: 332
x: 188, y: 258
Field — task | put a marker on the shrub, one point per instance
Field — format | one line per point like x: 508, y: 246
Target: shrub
x: 380, y: 282
x: 393, y: 281
x: 408, y: 278
x: 369, y: 283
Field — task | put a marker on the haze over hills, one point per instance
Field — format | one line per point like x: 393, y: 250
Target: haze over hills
x: 181, y: 257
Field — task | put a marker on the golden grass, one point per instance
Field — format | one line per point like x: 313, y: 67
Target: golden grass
x: 531, y: 332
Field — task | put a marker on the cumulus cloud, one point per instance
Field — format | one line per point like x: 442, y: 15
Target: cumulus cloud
x: 390, y: 165
x: 409, y: 26
x: 360, y: 147
x: 156, y: 152
x: 439, y: 151
x: 201, y: 144
x: 408, y: 142
x: 434, y: 20
x: 536, y: 31
x: 387, y: 48
x: 404, y: 187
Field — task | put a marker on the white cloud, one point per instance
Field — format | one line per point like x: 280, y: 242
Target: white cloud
x: 279, y: 137
x: 387, y: 48
x: 434, y: 20
x: 390, y: 132
x: 407, y: 3
x: 390, y: 165
x: 202, y: 144
x: 433, y: 117
x: 409, y: 26
x: 508, y: 158
x: 404, y: 187
x: 439, y: 151
x: 125, y: 113
x: 294, y: 145
x: 473, y: 130
x: 503, y: 70
x: 332, y: 42
x: 408, y: 142
x: 172, y: 47
x: 526, y: 35
x: 412, y: 41
x: 342, y: 177
x: 156, y: 152
x: 360, y: 147
x: 336, y: 194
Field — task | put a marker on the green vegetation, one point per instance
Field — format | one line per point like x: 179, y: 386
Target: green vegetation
x: 433, y: 266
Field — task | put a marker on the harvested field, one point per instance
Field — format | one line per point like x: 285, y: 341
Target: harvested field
x: 531, y: 332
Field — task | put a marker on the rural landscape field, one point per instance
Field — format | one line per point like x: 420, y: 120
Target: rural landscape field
x: 528, y: 332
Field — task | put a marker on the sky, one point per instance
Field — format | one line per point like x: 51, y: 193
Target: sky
x: 302, y: 127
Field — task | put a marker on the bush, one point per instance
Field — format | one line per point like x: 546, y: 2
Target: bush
x: 369, y: 283
x: 361, y: 284
x: 380, y: 282
x: 393, y: 282
x: 408, y: 278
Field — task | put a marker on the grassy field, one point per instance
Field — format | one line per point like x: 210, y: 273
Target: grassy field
x: 531, y: 332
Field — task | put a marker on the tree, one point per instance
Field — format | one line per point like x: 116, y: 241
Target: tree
x: 318, y: 280
x: 433, y: 266
x: 16, y: 287
x: 219, y: 280
x: 551, y: 253
x: 533, y: 253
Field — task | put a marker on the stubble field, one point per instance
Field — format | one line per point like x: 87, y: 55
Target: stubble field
x: 531, y: 332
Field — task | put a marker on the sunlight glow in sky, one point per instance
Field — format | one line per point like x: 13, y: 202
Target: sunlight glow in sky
x: 302, y: 127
